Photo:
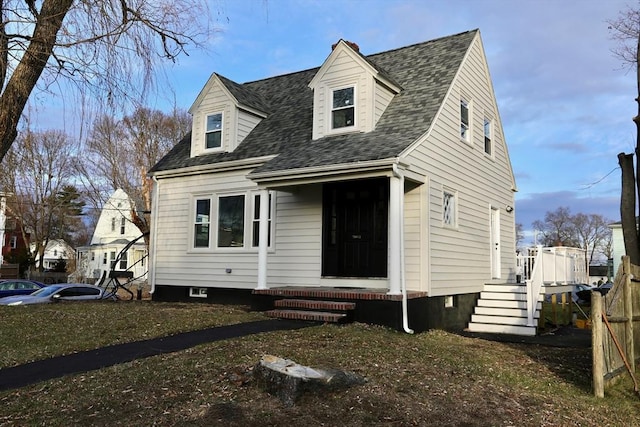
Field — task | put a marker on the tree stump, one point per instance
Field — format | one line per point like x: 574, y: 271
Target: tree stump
x: 287, y: 380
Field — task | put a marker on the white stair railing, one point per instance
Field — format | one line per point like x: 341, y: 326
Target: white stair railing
x: 550, y: 267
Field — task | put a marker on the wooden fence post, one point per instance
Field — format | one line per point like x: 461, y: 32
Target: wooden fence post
x: 628, y: 314
x: 597, y: 344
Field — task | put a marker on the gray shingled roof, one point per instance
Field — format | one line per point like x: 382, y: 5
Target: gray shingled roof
x: 425, y: 72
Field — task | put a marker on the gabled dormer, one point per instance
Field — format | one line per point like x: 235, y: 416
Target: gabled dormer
x: 349, y: 92
x: 223, y: 115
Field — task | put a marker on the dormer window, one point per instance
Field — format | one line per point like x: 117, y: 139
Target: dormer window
x: 343, y: 108
x: 213, y: 133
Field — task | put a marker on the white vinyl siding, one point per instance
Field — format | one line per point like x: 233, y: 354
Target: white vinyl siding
x: 236, y: 122
x: 383, y: 97
x: 246, y: 123
x: 294, y: 258
x: 344, y: 71
x: 458, y: 259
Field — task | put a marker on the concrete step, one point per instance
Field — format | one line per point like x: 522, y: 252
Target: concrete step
x: 313, y: 316
x: 503, y: 311
x: 502, y: 329
x: 315, y: 305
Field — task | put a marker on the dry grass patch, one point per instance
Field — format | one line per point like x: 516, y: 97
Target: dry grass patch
x: 434, y: 378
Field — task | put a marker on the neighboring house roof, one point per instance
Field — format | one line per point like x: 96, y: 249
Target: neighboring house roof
x: 424, y: 72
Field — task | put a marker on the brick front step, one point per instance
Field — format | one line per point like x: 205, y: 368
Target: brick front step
x: 313, y: 316
x: 315, y: 305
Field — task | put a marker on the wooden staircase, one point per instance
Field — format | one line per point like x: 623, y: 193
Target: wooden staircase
x: 312, y: 310
x: 502, y: 308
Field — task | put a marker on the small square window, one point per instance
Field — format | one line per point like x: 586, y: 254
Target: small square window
x: 198, y: 292
x: 449, y: 209
x: 464, y: 120
x: 487, y: 136
x: 343, y: 108
x: 448, y: 301
x: 213, y: 138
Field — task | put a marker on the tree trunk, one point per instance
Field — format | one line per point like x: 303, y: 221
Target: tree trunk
x: 26, y: 75
x: 628, y: 208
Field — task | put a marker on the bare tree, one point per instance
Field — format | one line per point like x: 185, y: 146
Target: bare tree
x: 557, y: 228
x: 109, y: 48
x: 626, y: 31
x: 592, y: 232
x: 41, y: 171
x: 119, y: 154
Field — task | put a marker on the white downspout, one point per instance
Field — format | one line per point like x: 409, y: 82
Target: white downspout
x: 154, y: 235
x: 403, y: 283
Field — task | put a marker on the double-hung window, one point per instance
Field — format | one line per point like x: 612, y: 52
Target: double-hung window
x: 202, y: 223
x: 464, y: 120
x: 231, y: 221
x: 123, y: 223
x: 487, y: 136
x: 213, y: 132
x: 255, y: 242
x: 343, y: 108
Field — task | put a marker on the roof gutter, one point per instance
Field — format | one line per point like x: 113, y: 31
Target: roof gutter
x: 230, y: 165
x: 284, y: 177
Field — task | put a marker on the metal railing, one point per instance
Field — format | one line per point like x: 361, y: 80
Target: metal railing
x: 549, y: 266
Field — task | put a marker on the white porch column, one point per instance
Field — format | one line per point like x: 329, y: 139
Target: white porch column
x: 263, y: 237
x: 395, y: 212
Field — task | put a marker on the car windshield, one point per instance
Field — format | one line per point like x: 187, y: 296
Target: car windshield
x: 46, y: 291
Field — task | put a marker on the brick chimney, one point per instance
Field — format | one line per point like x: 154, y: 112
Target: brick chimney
x: 352, y: 45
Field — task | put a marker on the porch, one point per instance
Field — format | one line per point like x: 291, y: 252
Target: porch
x: 515, y: 308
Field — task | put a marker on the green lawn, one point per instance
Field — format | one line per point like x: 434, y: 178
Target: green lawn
x: 434, y: 378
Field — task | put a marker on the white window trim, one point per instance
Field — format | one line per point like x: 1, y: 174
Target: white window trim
x: 198, y: 292
x: 491, y: 123
x: 454, y: 195
x: 192, y: 222
x: 222, y: 133
x: 214, y: 198
x: 246, y: 225
x: 329, y: 111
x: 271, y: 220
x: 468, y: 139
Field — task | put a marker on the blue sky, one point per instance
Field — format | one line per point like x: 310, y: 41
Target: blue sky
x: 566, y: 103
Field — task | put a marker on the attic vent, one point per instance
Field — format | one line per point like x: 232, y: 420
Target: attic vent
x: 352, y: 45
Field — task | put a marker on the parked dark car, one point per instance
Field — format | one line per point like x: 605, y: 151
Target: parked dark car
x: 54, y: 293
x: 585, y: 295
x: 10, y: 287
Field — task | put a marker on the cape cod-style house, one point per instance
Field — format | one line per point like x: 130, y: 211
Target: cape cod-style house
x: 114, y: 232
x: 376, y: 187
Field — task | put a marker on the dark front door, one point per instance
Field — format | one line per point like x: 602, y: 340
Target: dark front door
x: 355, y: 228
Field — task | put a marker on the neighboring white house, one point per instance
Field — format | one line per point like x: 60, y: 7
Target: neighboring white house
x: 617, y: 245
x: 55, y: 251
x: 114, y: 231
x: 385, y: 172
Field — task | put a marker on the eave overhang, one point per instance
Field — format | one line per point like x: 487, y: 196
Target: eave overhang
x: 230, y: 165
x: 336, y: 172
